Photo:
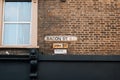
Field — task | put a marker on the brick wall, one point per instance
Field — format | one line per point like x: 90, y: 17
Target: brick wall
x: 96, y: 24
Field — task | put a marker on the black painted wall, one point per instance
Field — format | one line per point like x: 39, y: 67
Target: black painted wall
x: 59, y: 67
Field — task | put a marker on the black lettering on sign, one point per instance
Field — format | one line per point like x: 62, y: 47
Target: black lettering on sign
x: 57, y: 39
x: 64, y: 38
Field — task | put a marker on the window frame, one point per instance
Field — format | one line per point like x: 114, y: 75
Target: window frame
x: 34, y: 24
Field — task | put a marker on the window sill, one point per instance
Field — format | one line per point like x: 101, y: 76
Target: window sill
x: 19, y: 46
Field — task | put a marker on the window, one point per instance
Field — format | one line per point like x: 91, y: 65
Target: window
x: 18, y: 23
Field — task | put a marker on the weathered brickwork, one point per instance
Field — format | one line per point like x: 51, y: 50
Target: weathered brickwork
x: 96, y: 24
x: 11, y: 51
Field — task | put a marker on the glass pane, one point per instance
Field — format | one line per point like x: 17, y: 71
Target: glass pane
x: 11, y: 11
x: 10, y: 34
x: 24, y: 11
x: 18, y: 11
x: 23, y: 34
x: 16, y: 34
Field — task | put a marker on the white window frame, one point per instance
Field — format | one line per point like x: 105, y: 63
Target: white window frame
x: 33, y: 26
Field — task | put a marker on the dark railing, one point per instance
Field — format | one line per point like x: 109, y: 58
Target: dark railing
x: 59, y: 67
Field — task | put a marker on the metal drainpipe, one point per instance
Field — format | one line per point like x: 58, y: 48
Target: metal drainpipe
x: 33, y: 64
